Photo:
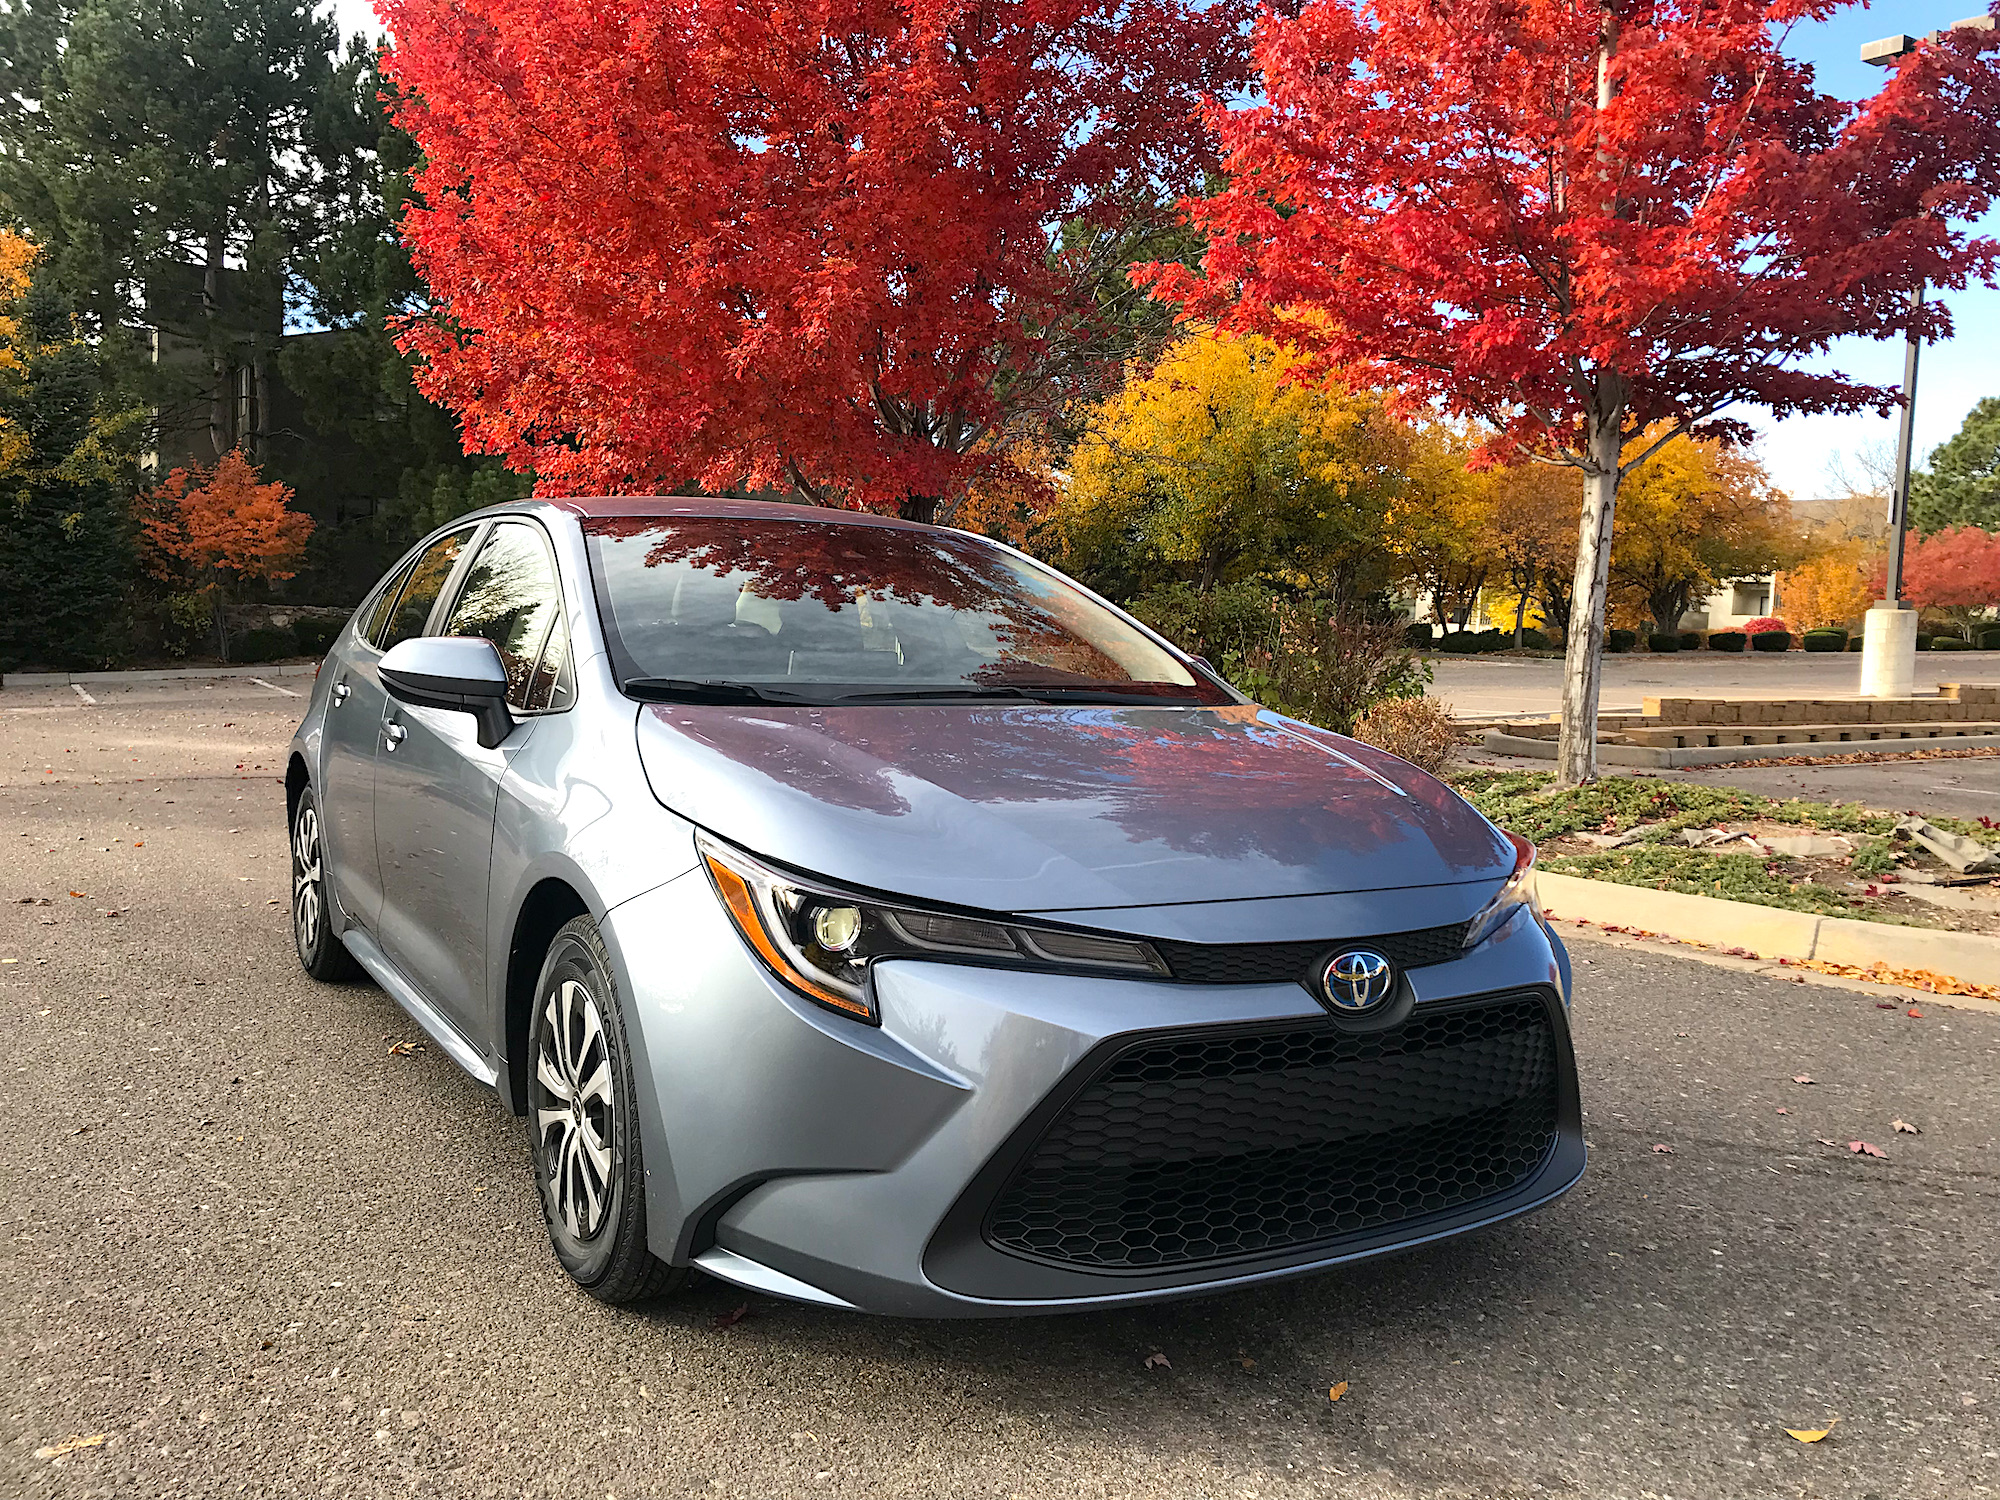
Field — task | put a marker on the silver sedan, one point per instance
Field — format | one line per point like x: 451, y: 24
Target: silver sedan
x: 863, y: 913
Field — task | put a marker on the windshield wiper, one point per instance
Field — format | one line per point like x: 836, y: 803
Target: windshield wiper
x: 690, y: 690
x: 1019, y: 694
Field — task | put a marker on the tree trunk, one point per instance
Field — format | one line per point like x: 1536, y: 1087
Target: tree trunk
x: 1520, y: 613
x: 211, y: 308
x: 1576, y: 749
x: 919, y: 508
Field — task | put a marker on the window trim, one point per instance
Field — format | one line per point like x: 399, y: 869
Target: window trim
x: 400, y: 579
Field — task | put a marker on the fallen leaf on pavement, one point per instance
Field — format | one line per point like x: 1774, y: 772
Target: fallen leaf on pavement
x: 731, y: 1319
x: 1334, y: 1393
x: 1862, y: 1148
x: 1904, y: 1127
x: 407, y: 1049
x: 1782, y: 1110
x: 1812, y: 1434
x: 1158, y: 1361
x: 1824, y: 1141
x: 70, y: 1445
x: 1246, y: 1361
x: 1885, y: 1005
x: 1914, y: 1013
x: 79, y: 895
x: 1802, y: 1078
x: 1664, y: 1150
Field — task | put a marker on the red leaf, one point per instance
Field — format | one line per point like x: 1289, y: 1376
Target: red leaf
x: 731, y: 1319
x: 1862, y: 1148
x: 1914, y: 1013
x: 1802, y: 1078
x: 1664, y: 1150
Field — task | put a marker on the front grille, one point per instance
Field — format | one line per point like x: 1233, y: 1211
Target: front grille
x: 1190, y: 1148
x: 1274, y: 963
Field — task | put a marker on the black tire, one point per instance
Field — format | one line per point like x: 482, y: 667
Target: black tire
x: 321, y: 952
x: 583, y: 1125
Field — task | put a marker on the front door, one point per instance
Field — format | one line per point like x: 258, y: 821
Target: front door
x: 436, y: 789
x: 353, y: 737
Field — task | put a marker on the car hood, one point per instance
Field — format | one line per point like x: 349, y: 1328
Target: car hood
x: 1035, y: 808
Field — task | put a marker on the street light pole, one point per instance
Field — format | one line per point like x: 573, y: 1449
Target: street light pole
x: 1889, y: 638
x: 1899, y: 499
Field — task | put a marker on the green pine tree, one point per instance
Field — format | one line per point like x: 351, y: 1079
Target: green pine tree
x: 67, y: 554
x: 1962, y: 485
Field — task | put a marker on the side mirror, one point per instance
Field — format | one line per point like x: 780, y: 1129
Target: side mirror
x: 462, y: 672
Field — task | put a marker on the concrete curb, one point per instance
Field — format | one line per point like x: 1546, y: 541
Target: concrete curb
x: 1655, y: 758
x: 1770, y: 931
x: 173, y: 674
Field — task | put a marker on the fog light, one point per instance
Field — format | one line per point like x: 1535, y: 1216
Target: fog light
x: 836, y: 928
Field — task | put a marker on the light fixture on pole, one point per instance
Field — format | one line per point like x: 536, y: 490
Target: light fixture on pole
x: 1889, y: 637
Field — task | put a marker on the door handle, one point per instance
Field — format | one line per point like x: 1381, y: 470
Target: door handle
x: 340, y: 692
x: 393, y: 733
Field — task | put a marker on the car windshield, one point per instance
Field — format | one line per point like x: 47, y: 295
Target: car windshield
x: 729, y: 607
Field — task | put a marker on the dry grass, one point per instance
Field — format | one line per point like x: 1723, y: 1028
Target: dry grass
x: 1419, y: 730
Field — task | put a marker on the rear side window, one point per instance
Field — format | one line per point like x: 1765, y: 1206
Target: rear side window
x: 549, y: 687
x: 378, y: 614
x: 426, y: 581
x: 510, y: 598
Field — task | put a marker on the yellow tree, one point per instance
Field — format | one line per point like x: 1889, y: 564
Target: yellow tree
x: 1691, y: 516
x: 1530, y: 539
x: 1832, y: 586
x: 1438, y: 524
x: 1215, y: 466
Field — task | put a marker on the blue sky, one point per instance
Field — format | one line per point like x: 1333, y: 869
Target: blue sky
x: 1955, y: 373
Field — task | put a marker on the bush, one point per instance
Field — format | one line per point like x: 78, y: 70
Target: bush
x: 1690, y: 640
x: 1417, y: 636
x: 262, y: 645
x: 1663, y: 643
x: 1923, y: 641
x: 316, y: 637
x: 1417, y: 729
x: 1950, y: 643
x: 1771, y: 640
x: 1459, y: 643
x: 1825, y: 639
x: 1989, y: 637
x: 185, y: 623
x: 1727, y: 640
x: 1621, y: 640
x: 1536, y: 640
x: 1854, y: 643
x: 1764, y: 624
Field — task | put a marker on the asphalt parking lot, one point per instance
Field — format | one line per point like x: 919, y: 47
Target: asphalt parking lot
x: 251, y: 1250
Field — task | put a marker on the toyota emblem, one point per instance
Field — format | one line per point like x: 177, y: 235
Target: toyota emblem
x: 1357, y: 980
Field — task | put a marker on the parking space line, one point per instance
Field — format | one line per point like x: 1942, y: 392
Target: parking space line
x: 274, y: 687
x: 77, y: 687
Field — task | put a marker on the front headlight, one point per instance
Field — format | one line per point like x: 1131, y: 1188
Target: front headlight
x: 1519, y: 891
x: 821, y: 940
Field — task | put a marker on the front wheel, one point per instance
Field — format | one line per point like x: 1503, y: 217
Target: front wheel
x: 583, y: 1125
x: 321, y: 952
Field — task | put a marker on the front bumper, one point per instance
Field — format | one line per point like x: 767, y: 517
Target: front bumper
x: 795, y: 1151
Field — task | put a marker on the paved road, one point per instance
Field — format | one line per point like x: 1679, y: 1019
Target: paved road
x: 263, y: 1255
x: 1491, y: 687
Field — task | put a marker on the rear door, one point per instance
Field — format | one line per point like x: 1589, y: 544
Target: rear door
x: 352, y: 740
x: 436, y: 787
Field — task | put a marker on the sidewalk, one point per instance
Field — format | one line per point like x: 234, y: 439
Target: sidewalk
x: 1489, y: 687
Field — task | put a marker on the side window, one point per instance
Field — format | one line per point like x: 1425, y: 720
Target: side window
x: 378, y: 614
x: 550, y: 685
x: 510, y: 598
x: 427, y: 579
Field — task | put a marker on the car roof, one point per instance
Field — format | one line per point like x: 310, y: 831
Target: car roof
x: 596, y: 507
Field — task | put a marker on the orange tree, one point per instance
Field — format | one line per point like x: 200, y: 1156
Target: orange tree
x: 1831, y: 587
x: 1580, y: 222
x: 213, y: 529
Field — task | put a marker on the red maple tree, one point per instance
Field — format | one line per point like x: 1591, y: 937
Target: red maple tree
x: 1955, y: 572
x: 210, y: 529
x: 831, y: 247
x: 1576, y: 223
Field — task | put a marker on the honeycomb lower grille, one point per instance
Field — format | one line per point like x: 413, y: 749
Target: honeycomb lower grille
x: 1274, y: 963
x: 1188, y: 1149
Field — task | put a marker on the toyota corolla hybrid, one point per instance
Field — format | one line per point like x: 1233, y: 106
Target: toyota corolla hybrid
x: 864, y: 913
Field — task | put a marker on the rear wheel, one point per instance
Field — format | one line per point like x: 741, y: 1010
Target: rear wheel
x: 321, y: 952
x: 583, y: 1125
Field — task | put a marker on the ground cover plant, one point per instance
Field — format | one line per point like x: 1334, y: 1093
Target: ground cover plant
x: 1861, y: 884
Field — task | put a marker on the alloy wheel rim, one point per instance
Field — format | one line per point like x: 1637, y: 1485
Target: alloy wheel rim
x: 573, y: 1117
x: 307, y: 912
